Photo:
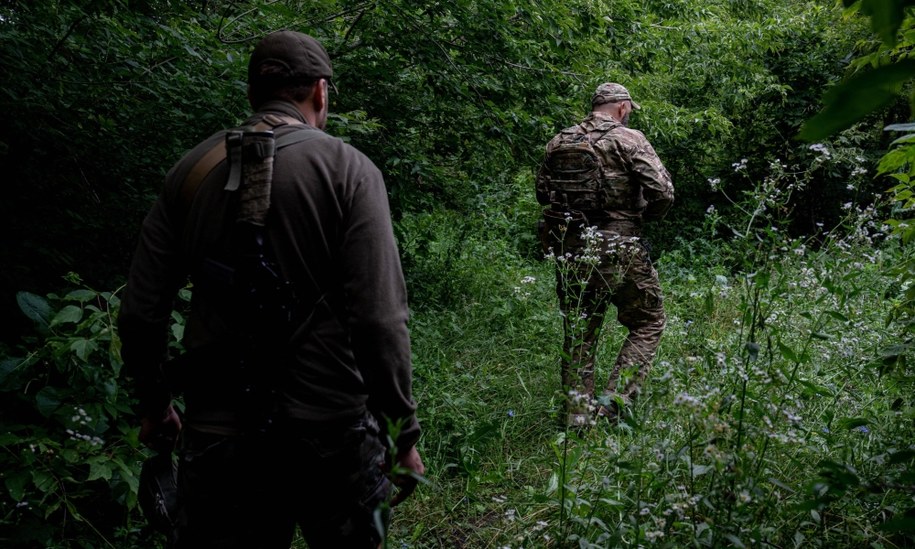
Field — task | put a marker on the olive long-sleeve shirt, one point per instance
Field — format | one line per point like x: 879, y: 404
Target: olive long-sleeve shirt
x: 329, y: 230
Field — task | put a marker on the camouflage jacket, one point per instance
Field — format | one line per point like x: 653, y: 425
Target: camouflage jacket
x: 638, y: 185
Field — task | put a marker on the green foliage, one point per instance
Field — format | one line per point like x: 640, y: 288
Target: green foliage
x: 774, y: 321
x: 70, y: 459
x: 98, y: 99
x: 766, y: 421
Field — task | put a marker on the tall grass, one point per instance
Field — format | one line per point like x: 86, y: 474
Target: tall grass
x: 770, y: 418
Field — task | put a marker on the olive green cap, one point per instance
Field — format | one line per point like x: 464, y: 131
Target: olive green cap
x: 289, y: 55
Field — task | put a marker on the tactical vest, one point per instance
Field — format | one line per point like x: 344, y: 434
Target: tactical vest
x: 575, y: 171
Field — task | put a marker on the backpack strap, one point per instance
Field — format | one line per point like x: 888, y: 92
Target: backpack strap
x: 218, y: 154
x: 198, y: 173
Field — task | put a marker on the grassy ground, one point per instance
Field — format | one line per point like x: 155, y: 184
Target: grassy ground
x: 765, y: 422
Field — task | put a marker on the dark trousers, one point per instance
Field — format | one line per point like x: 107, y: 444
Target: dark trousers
x: 251, y: 491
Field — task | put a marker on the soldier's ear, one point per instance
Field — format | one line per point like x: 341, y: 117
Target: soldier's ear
x: 319, y: 95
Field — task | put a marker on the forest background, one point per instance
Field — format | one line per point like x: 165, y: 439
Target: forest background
x: 780, y: 412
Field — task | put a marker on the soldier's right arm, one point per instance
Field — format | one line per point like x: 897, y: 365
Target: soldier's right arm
x: 146, y: 306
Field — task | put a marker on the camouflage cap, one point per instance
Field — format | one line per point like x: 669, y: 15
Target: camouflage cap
x: 289, y: 55
x: 610, y: 92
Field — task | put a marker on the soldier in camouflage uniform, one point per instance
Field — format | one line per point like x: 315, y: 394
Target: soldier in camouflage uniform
x: 593, y: 231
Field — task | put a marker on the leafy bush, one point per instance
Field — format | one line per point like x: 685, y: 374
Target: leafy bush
x: 71, y: 456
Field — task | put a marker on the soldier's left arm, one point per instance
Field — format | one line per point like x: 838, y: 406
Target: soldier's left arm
x: 653, y: 177
x: 543, y: 181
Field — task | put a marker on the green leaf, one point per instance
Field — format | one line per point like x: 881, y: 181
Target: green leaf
x: 852, y: 422
x: 699, y: 470
x: 48, y: 400
x: 16, y: 483
x: 837, y: 315
x: 860, y: 95
x: 787, y: 352
x: 83, y: 348
x: 7, y: 366
x: 44, y: 480
x: 133, y: 481
x: 886, y: 17
x: 781, y: 485
x: 34, y: 307
x: 906, y: 127
x: 100, y: 468
x: 815, y: 389
x: 82, y: 295
x: 69, y: 314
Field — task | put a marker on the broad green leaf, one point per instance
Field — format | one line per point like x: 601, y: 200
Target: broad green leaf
x: 815, y: 389
x: 852, y: 100
x: 100, y: 468
x: 7, y: 366
x: 44, y: 480
x: 837, y: 315
x: 81, y: 295
x: 69, y: 314
x: 16, y: 482
x: 133, y: 480
x: 906, y: 127
x: 34, y: 307
x: 83, y: 348
x: 699, y: 470
x: 787, y: 352
x: 886, y: 17
x: 48, y: 400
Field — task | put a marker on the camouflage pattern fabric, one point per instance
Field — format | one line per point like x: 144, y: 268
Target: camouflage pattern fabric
x: 605, y: 268
x: 636, y: 184
x: 601, y: 260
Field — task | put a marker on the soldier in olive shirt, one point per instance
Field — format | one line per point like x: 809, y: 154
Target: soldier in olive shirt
x: 593, y: 228
x: 311, y: 450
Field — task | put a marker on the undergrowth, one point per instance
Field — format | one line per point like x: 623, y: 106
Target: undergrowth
x: 780, y: 411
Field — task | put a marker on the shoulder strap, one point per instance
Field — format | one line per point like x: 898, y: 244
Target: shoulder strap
x: 218, y: 153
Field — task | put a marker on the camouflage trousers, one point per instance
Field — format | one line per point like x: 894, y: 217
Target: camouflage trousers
x: 596, y: 269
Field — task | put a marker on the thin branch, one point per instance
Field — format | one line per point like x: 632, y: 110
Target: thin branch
x: 66, y: 35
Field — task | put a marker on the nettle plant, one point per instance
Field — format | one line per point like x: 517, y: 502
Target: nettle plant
x: 71, y: 457
x: 766, y: 421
